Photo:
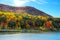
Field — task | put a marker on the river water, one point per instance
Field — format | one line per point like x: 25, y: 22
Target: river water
x: 30, y: 36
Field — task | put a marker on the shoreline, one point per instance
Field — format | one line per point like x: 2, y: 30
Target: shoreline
x: 24, y: 31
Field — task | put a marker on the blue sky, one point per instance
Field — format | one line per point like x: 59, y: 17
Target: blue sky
x: 51, y: 7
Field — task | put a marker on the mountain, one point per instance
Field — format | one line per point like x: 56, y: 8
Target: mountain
x: 26, y: 9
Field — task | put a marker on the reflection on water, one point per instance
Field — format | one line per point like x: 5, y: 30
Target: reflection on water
x: 31, y: 36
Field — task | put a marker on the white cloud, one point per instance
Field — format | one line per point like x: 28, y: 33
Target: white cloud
x: 23, y: 2
x: 41, y: 1
x: 19, y: 2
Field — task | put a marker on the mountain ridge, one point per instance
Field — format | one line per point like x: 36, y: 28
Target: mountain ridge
x: 25, y: 9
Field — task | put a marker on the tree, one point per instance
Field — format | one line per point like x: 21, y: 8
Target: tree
x: 22, y: 24
x: 3, y: 18
x: 42, y: 28
x: 50, y: 19
x: 48, y: 24
x: 30, y: 22
x: 56, y: 24
x: 12, y: 24
x: 3, y: 21
x: 39, y: 22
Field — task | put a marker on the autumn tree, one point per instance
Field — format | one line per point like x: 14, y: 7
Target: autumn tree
x: 3, y: 21
x: 12, y: 24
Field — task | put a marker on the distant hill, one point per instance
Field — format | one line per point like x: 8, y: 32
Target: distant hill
x: 26, y: 9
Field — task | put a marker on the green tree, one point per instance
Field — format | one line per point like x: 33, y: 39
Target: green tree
x: 39, y: 22
x: 3, y: 21
x: 22, y: 24
x: 12, y: 24
x: 56, y: 24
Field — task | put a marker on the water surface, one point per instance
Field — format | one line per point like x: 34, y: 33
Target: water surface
x: 31, y: 36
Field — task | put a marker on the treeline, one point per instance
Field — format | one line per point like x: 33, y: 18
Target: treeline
x: 10, y: 20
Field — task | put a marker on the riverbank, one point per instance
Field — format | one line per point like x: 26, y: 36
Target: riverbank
x: 20, y: 31
x: 23, y: 31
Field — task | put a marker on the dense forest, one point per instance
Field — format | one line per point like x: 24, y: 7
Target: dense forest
x: 13, y: 21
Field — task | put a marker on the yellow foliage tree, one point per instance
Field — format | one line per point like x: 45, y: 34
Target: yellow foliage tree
x: 20, y: 18
x: 42, y: 28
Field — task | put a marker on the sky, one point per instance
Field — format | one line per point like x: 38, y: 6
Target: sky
x: 51, y: 7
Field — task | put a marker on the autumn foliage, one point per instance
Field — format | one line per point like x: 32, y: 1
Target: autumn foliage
x: 11, y: 20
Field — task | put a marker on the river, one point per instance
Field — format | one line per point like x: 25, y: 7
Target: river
x: 30, y: 36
